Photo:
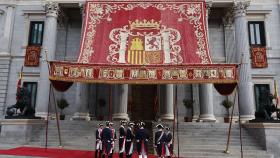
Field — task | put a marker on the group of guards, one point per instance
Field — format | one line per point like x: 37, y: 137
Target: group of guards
x: 106, y: 138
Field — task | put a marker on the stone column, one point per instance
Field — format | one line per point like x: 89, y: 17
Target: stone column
x: 92, y: 101
x: 166, y: 104
x: 82, y: 102
x: 49, y: 45
x: 229, y: 37
x: 206, y: 90
x: 230, y: 54
x: 7, y: 32
x: 245, y: 93
x: 120, y: 100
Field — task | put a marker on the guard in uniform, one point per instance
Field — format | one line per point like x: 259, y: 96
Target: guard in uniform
x: 98, y: 142
x: 122, y: 138
x: 114, y: 136
x: 160, y: 139
x: 142, y: 138
x: 106, y: 138
x: 129, y: 140
x: 168, y: 143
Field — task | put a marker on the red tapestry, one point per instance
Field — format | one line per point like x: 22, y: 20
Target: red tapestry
x: 259, y: 59
x: 156, y: 74
x: 144, y: 33
x: 32, y: 56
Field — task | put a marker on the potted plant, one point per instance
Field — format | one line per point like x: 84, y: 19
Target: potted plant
x: 188, y: 103
x: 227, y: 104
x: 62, y: 104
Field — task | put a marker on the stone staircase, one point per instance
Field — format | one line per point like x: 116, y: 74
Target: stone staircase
x: 208, y: 140
x: 197, y: 140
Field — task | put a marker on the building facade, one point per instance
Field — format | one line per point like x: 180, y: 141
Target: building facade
x: 235, y: 29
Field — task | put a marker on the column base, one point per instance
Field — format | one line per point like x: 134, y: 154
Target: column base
x: 166, y: 117
x: 207, y: 118
x: 120, y: 116
x: 82, y: 116
x: 246, y: 118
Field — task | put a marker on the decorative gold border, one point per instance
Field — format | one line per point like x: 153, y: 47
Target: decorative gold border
x: 77, y: 72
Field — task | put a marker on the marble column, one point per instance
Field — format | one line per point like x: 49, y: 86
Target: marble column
x: 120, y: 100
x: 245, y: 93
x: 206, y: 90
x: 166, y: 103
x: 229, y: 33
x: 49, y: 45
x: 82, y: 102
x: 7, y: 31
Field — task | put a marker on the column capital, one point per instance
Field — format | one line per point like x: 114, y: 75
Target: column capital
x: 2, y: 12
x: 209, y: 5
x: 239, y: 7
x: 228, y: 19
x: 52, y: 9
x: 11, y: 6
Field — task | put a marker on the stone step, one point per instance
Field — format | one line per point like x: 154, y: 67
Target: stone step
x: 197, y: 140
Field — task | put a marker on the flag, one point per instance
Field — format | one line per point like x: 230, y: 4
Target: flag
x: 276, y: 93
x: 19, y: 81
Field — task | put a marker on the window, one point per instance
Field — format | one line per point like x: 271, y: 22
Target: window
x: 36, y: 33
x: 256, y: 33
x: 262, y: 92
x: 32, y: 88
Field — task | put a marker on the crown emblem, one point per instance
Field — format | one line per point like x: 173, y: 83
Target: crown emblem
x: 145, y: 24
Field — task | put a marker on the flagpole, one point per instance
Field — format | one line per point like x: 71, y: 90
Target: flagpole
x: 57, y: 121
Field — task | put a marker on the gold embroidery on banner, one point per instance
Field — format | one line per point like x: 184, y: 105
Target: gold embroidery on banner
x: 190, y: 10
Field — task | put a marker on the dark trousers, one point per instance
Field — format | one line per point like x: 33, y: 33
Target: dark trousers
x: 128, y: 156
x: 121, y: 155
x: 98, y: 153
x: 109, y: 156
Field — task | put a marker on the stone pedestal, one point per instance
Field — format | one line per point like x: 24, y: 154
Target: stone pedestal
x: 49, y: 45
x: 120, y: 100
x: 19, y: 131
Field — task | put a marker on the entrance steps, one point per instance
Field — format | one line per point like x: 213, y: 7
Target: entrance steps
x: 208, y: 140
x: 197, y: 140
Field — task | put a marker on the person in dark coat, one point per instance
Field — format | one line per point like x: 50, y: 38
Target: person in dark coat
x: 98, y: 142
x: 114, y: 136
x: 142, y: 138
x: 160, y: 139
x: 129, y: 140
x: 107, y: 139
x: 122, y: 138
x: 168, y: 143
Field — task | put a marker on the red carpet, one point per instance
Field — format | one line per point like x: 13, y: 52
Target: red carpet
x: 54, y: 153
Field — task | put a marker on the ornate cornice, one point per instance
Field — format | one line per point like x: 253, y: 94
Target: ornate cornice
x: 239, y: 7
x: 52, y: 8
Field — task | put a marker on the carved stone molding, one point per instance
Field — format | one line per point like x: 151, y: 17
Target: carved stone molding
x: 239, y: 7
x: 228, y: 19
x: 52, y: 8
